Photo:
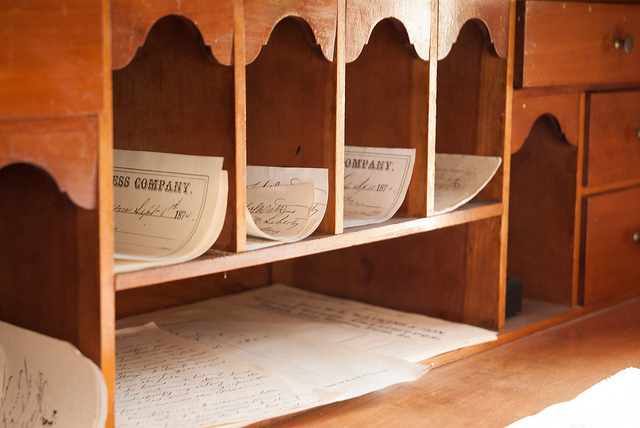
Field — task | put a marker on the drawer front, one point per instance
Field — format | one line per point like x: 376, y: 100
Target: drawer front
x: 50, y: 57
x: 611, y: 252
x: 613, y: 144
x: 565, y: 44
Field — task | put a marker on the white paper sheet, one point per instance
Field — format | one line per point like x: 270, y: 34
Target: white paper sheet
x: 168, y: 208
x: 47, y: 382
x: 459, y: 178
x: 306, y: 359
x: 411, y: 337
x: 163, y: 380
x: 375, y: 183
x: 284, y: 189
x: 614, y: 402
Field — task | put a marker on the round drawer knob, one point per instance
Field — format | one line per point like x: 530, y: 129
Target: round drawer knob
x: 626, y: 43
x: 636, y: 237
x: 638, y: 132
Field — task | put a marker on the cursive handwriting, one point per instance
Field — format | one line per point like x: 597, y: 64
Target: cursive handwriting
x: 350, y: 183
x: 148, y: 208
x: 25, y: 401
x: 165, y: 381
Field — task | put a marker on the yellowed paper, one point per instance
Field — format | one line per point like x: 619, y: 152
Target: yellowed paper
x: 459, y: 178
x: 375, y: 183
x: 383, y: 331
x: 163, y: 380
x: 261, y: 184
x: 47, y: 382
x: 280, y: 213
x: 168, y: 208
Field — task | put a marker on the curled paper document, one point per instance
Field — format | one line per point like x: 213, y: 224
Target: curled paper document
x: 375, y: 183
x: 459, y: 178
x: 284, y: 204
x: 168, y: 208
x: 47, y: 382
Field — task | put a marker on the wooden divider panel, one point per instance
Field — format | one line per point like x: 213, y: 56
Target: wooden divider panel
x: 130, y: 25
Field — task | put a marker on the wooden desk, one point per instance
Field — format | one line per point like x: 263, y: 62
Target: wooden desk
x: 499, y: 386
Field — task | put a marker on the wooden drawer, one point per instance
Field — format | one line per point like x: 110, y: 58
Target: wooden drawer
x: 611, y: 253
x: 613, y: 143
x: 50, y: 57
x: 566, y: 44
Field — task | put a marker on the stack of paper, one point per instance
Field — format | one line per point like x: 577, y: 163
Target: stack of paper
x: 269, y: 352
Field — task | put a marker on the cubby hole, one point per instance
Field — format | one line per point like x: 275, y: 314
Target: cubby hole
x: 387, y: 103
x: 291, y: 105
x: 542, y: 214
x: 433, y: 273
x: 472, y: 83
x: 49, y: 260
x: 174, y: 97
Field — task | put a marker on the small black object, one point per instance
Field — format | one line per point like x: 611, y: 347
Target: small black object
x: 513, y: 305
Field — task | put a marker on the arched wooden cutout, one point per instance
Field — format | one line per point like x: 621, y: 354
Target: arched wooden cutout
x: 131, y: 25
x: 262, y: 16
x: 542, y: 214
x: 387, y: 103
x: 67, y: 148
x: 175, y: 98
x: 455, y: 13
x: 564, y: 108
x: 364, y: 15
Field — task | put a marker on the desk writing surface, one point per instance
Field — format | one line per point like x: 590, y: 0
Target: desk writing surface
x: 502, y: 385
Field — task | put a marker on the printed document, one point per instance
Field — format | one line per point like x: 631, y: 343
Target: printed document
x: 375, y: 183
x: 168, y: 208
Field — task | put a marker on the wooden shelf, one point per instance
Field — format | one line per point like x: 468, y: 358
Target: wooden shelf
x: 220, y: 261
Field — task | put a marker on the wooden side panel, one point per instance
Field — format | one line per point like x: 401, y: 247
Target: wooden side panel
x: 131, y: 24
x: 542, y: 214
x: 50, y: 58
x: 455, y: 13
x: 387, y: 104
x: 291, y: 106
x: 66, y: 148
x: 565, y: 109
x: 364, y: 15
x: 175, y: 98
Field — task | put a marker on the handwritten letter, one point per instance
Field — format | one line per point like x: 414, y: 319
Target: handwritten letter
x: 163, y: 380
x: 375, y: 183
x: 46, y: 382
x: 411, y: 337
x: 284, y: 204
x: 459, y: 178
